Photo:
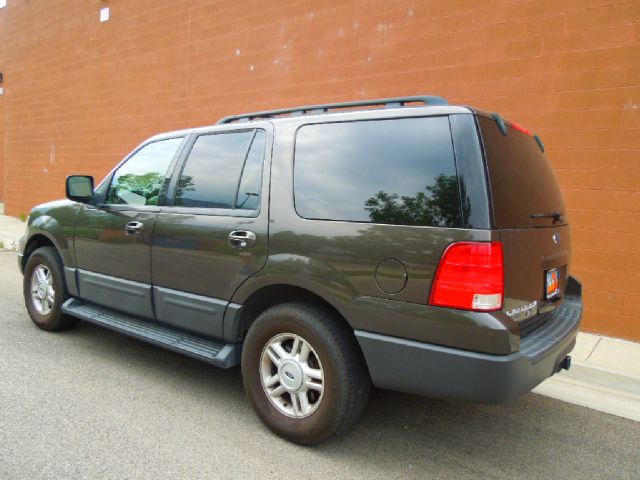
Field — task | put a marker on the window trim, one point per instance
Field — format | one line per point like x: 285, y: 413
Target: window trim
x: 359, y: 120
x: 170, y: 207
x: 244, y: 164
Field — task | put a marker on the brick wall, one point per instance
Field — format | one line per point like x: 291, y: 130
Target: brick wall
x: 79, y: 94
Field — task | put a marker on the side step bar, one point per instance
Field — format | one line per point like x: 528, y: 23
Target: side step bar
x: 219, y: 354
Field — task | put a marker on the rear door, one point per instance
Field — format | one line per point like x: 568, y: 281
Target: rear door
x: 213, y: 233
x: 529, y: 214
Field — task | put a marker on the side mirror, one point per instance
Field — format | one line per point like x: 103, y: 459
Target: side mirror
x: 80, y: 188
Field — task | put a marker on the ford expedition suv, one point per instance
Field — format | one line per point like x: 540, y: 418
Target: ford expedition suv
x: 404, y: 243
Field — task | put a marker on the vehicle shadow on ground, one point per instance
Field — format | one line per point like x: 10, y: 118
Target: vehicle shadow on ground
x: 401, y: 432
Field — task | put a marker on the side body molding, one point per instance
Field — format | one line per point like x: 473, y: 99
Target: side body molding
x: 117, y: 293
x: 195, y: 313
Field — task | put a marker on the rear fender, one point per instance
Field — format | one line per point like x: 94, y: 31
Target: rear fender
x: 304, y: 272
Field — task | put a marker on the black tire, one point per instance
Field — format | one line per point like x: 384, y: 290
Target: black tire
x: 54, y: 319
x: 346, y: 378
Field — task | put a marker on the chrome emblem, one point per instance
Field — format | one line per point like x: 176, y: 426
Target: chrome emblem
x: 526, y: 309
x: 556, y: 238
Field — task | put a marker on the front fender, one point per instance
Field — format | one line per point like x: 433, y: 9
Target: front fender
x: 61, y: 236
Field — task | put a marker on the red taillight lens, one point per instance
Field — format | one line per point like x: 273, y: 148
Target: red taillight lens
x: 470, y: 276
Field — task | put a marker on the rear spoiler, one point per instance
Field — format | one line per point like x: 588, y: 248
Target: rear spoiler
x: 503, y: 123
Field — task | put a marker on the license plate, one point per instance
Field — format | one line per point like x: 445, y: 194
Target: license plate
x: 552, y: 288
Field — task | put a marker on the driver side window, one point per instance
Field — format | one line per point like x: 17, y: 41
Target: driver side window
x: 141, y: 179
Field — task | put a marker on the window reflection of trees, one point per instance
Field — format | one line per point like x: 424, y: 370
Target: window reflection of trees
x: 438, y: 205
x: 185, y: 184
x: 146, y: 186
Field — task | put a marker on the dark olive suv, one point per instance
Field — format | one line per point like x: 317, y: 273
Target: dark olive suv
x: 324, y: 249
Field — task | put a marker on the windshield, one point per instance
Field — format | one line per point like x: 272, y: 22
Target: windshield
x: 523, y: 187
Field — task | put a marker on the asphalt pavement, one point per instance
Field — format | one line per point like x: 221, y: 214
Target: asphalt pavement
x: 89, y: 403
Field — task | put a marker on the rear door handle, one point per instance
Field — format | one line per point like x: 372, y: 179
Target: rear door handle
x: 242, y: 239
x: 133, y: 229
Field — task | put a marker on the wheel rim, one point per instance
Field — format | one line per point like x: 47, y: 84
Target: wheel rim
x: 43, y: 294
x: 291, y: 375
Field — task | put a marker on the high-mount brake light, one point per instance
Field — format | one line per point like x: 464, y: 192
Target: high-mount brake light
x: 520, y: 128
x: 470, y: 276
x: 502, y: 125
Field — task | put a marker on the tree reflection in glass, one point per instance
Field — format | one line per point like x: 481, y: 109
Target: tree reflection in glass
x: 135, y: 189
x: 437, y: 205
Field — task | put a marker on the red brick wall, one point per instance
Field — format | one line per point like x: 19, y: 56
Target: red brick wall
x: 80, y: 94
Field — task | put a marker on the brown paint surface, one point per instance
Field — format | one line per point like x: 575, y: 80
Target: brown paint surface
x: 79, y: 94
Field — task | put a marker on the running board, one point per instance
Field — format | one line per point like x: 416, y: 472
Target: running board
x: 219, y: 354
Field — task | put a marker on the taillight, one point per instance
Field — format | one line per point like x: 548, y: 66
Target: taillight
x: 470, y: 276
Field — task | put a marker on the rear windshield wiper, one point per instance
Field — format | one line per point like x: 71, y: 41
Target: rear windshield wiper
x: 557, y: 216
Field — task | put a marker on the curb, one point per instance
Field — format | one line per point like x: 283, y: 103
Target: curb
x: 11, y: 229
x: 596, y: 388
x: 8, y: 245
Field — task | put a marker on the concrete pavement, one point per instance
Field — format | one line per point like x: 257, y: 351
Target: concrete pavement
x: 89, y: 403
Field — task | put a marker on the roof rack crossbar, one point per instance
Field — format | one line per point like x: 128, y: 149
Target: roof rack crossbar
x: 324, y: 108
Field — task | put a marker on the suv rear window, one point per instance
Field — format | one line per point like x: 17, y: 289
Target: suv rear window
x: 399, y: 172
x: 521, y: 179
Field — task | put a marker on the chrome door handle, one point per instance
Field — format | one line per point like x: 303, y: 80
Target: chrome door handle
x: 133, y: 228
x: 242, y: 239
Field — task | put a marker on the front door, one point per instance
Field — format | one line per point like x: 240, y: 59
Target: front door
x: 113, y: 238
x: 214, y: 234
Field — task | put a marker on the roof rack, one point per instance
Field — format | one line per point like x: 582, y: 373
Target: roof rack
x: 323, y: 108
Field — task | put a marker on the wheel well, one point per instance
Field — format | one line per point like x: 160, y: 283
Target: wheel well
x: 33, y: 244
x: 272, y: 295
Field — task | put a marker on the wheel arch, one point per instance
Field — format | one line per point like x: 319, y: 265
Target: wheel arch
x: 46, y: 230
x: 36, y: 241
x: 274, y: 294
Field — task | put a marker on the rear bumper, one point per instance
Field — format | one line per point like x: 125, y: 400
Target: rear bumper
x: 436, y: 371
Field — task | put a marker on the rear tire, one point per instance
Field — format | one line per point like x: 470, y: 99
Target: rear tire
x: 45, y: 290
x: 304, y: 373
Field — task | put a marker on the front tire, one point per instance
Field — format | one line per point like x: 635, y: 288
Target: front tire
x: 304, y: 373
x: 45, y: 290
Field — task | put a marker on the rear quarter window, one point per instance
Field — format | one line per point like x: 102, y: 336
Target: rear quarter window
x: 399, y: 172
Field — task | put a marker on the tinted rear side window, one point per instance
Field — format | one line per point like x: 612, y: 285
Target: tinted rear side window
x: 399, y: 172
x: 522, y: 182
x: 223, y: 171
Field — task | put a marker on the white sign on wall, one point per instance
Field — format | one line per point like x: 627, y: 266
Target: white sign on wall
x: 104, y: 14
x: 3, y: 3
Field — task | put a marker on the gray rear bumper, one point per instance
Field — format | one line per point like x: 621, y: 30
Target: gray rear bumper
x: 431, y: 370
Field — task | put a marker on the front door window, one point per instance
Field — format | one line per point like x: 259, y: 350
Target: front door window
x: 142, y: 178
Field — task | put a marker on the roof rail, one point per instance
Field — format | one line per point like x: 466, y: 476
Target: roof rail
x: 297, y: 111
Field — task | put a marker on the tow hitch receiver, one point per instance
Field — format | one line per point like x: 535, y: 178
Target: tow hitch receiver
x: 565, y: 364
